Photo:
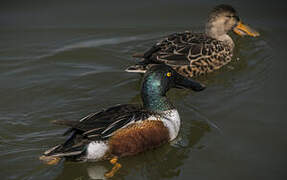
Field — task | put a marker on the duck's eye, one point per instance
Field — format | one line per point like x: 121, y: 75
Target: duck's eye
x: 168, y: 74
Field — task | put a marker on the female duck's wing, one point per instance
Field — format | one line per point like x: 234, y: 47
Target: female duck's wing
x: 191, y: 54
x: 181, y: 48
x: 177, y: 50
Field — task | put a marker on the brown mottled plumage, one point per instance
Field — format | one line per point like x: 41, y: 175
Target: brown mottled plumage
x: 194, y: 54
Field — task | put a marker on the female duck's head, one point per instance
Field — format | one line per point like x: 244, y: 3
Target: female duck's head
x: 157, y: 81
x: 224, y: 18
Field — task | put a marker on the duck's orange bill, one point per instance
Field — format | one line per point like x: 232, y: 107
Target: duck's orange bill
x: 242, y: 30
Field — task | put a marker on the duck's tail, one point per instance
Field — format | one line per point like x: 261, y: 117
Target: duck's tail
x: 142, y: 66
x: 71, y: 149
x: 53, y: 155
x: 138, y: 55
x: 49, y: 157
x: 146, y: 62
x: 138, y: 68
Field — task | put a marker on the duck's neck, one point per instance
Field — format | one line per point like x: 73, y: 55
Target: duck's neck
x: 156, y: 103
x: 217, y: 31
x: 154, y: 98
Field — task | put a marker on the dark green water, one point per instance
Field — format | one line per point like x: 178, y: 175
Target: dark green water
x: 65, y: 59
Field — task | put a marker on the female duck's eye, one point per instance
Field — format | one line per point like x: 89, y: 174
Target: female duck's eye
x: 168, y: 74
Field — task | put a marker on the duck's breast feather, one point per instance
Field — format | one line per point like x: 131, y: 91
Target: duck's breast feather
x: 138, y: 137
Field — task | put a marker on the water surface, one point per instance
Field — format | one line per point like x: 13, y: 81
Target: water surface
x: 64, y: 60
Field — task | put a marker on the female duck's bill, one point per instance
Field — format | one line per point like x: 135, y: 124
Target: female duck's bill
x: 242, y: 30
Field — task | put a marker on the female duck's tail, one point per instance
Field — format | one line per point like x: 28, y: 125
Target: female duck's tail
x: 138, y: 68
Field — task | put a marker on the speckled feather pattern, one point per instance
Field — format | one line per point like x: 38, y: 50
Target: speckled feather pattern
x: 192, y: 54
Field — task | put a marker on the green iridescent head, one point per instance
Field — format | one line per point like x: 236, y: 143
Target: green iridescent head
x: 156, y: 83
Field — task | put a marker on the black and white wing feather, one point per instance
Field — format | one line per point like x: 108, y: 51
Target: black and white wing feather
x: 97, y: 127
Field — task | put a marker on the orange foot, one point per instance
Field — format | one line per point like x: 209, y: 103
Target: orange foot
x: 50, y: 160
x: 116, y: 167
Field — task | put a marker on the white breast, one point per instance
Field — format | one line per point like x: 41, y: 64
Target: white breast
x: 171, y: 121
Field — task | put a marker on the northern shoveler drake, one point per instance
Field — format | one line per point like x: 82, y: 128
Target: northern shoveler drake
x: 127, y: 129
x: 194, y: 54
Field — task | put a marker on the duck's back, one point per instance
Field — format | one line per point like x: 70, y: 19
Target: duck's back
x: 191, y: 54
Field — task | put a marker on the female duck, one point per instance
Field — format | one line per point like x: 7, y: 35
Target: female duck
x: 126, y: 129
x: 194, y: 54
